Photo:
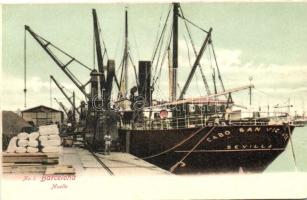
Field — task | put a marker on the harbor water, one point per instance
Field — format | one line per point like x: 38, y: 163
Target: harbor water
x: 286, y: 162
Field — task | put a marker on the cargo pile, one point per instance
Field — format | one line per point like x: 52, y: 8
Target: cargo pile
x: 46, y: 140
x: 37, y: 152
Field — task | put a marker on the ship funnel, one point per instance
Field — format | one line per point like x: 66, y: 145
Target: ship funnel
x: 144, y: 81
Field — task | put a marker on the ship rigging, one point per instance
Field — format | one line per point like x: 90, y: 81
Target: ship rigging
x: 204, y: 131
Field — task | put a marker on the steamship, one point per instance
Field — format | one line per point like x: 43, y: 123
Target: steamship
x: 204, y: 133
x: 207, y: 133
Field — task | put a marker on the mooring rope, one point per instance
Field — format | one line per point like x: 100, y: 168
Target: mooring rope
x: 197, y: 144
x: 177, y: 145
x: 292, y: 148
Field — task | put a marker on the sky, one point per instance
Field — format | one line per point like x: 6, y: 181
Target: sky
x: 267, y: 41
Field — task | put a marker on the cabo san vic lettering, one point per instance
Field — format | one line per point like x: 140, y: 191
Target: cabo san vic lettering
x: 248, y: 130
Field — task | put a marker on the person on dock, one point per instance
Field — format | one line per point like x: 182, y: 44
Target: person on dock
x: 107, y: 140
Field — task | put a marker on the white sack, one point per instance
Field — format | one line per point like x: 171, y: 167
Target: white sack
x: 43, y: 138
x: 54, y: 137
x: 23, y: 136
x: 21, y: 150
x: 32, y: 149
x: 33, y: 143
x: 12, y: 145
x: 33, y: 136
x: 52, y: 149
x: 47, y: 143
x: 23, y: 143
x: 49, y: 130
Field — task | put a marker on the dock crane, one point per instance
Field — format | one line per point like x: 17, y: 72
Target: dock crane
x: 69, y: 113
x: 101, y: 119
x: 98, y: 111
x: 71, y: 99
x: 62, y: 106
x: 64, y: 67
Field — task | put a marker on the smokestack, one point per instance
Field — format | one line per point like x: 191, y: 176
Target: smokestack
x: 144, y: 81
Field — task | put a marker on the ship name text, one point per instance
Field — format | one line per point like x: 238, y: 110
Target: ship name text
x: 218, y: 135
x: 257, y: 130
x: 249, y: 146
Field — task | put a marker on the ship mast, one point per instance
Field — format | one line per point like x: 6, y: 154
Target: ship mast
x: 126, y: 52
x: 175, y: 52
x: 170, y: 75
x: 124, y: 78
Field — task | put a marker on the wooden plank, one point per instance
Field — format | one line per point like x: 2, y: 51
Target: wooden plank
x: 27, y: 157
x: 23, y: 159
x: 30, y: 160
x: 60, y: 169
x: 49, y: 158
x: 25, y: 169
x: 20, y: 164
x: 51, y: 155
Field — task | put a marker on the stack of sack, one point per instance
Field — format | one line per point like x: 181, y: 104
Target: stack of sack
x: 47, y: 140
x: 24, y: 142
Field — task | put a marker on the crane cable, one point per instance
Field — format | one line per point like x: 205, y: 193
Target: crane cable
x: 25, y: 68
x: 189, y: 58
x: 213, y: 72
x: 60, y: 50
x: 217, y: 66
x: 194, y: 50
x: 182, y: 17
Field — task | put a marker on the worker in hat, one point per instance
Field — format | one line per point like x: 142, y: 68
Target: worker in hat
x: 107, y: 146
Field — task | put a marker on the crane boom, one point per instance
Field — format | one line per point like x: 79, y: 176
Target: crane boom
x: 232, y: 90
x: 98, y: 48
x: 44, y: 44
x: 195, y: 52
x: 199, y: 56
x: 62, y: 106
x: 64, y: 93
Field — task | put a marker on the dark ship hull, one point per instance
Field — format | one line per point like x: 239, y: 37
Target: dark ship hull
x: 223, y: 149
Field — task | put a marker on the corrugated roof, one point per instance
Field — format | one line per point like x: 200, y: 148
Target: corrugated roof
x: 41, y: 108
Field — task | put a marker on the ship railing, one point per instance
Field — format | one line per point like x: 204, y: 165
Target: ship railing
x: 194, y: 121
